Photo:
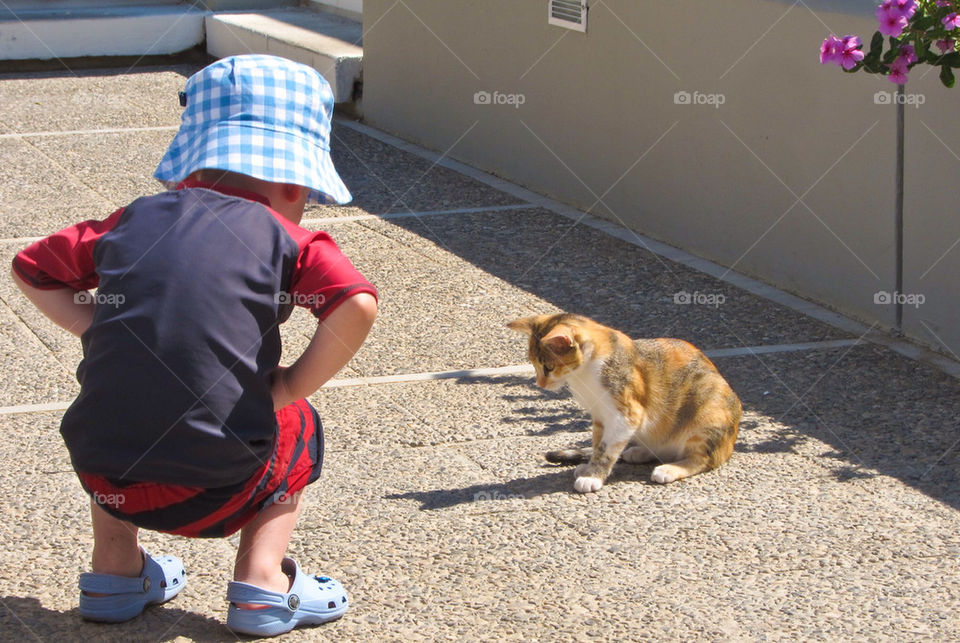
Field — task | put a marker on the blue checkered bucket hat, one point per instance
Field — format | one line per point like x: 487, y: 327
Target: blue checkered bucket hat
x: 263, y: 116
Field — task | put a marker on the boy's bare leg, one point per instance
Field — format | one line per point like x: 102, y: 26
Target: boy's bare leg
x: 115, y: 547
x: 263, y: 545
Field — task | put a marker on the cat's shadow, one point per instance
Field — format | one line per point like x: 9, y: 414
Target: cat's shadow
x: 518, y: 488
x: 557, y: 478
x: 25, y: 618
x: 567, y: 419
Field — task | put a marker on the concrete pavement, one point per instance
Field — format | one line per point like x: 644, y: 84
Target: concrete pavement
x: 837, y: 518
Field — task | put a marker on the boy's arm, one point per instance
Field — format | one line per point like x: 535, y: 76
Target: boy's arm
x: 52, y: 271
x: 60, y: 305
x: 336, y: 340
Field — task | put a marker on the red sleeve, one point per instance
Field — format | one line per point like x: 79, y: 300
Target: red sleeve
x: 65, y: 258
x: 324, y: 278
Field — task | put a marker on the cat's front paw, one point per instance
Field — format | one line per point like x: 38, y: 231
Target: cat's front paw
x: 587, y: 484
x: 586, y: 480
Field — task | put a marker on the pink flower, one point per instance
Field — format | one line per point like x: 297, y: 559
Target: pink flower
x: 830, y: 50
x: 951, y: 21
x: 891, y: 24
x: 908, y: 7
x: 905, y: 8
x: 894, y: 15
x: 851, y: 54
x: 844, y: 52
x: 908, y: 54
x: 946, y: 45
x: 898, y: 72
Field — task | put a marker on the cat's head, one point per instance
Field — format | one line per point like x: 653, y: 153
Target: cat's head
x: 556, y: 347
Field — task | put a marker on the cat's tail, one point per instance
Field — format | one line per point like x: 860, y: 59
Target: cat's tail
x: 568, y: 456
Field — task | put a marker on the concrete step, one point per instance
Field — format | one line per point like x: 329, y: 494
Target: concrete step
x: 352, y: 9
x: 331, y: 44
x: 100, y: 31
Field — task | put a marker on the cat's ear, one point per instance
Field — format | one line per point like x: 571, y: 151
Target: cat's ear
x: 524, y: 325
x: 558, y: 341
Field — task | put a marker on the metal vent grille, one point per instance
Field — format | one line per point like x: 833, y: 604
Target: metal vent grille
x: 571, y: 14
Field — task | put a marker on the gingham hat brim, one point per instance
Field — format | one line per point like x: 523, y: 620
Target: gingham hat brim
x: 264, y: 116
x: 240, y: 148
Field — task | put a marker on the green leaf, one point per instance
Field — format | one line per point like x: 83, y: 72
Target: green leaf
x: 876, y: 44
x: 946, y: 76
x: 950, y: 60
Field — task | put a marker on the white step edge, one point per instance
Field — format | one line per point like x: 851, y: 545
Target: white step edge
x: 277, y: 33
x: 133, y: 31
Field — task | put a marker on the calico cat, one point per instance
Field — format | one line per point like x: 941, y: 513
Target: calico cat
x: 650, y: 399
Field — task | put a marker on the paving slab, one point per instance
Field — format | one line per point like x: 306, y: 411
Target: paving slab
x: 32, y: 374
x: 579, y: 269
x: 415, y: 334
x: 384, y: 179
x: 118, y: 166
x: 38, y: 195
x: 490, y: 285
x: 92, y: 99
x: 104, y: 171
x: 60, y: 344
x: 481, y: 539
x: 881, y: 413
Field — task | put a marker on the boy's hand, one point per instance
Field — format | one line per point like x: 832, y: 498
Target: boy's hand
x: 279, y: 389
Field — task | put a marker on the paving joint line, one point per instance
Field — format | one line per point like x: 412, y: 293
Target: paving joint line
x: 755, y: 287
x: 89, y: 132
x: 477, y: 373
x: 411, y: 214
x: 362, y: 217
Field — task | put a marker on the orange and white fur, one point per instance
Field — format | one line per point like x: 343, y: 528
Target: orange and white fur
x: 650, y: 399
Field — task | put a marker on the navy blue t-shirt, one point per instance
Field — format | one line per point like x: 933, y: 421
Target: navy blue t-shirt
x: 193, y: 285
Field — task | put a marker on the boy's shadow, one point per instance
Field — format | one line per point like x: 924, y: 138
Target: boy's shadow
x: 24, y: 619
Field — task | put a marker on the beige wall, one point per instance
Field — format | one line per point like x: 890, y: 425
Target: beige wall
x: 599, y: 129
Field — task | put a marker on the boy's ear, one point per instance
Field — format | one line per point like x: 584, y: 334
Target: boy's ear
x: 293, y: 192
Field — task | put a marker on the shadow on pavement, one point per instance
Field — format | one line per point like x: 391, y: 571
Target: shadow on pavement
x: 25, y: 618
x: 879, y: 414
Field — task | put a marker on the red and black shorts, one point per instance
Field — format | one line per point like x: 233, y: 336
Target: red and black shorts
x: 215, y: 513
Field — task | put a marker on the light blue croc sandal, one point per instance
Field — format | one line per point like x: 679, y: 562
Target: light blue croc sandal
x: 162, y: 578
x: 311, y: 600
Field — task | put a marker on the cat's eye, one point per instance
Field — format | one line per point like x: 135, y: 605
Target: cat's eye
x: 547, y: 369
